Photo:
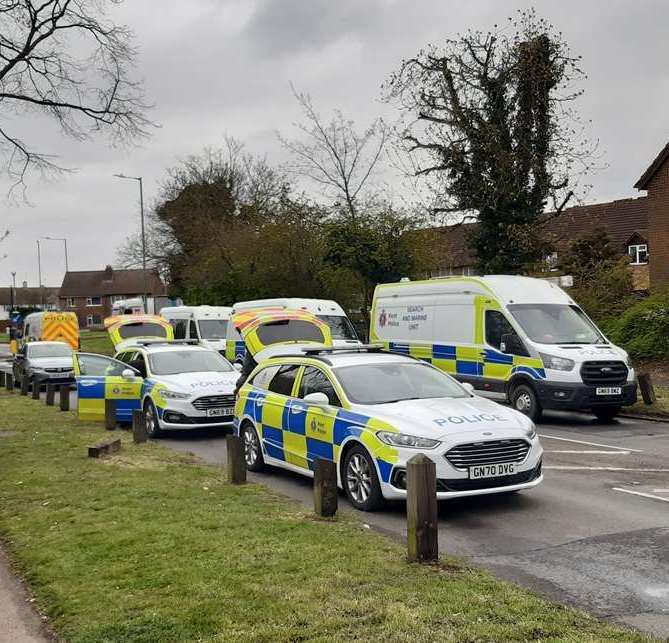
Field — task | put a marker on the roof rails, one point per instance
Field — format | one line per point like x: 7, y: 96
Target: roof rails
x: 360, y: 348
x: 169, y: 342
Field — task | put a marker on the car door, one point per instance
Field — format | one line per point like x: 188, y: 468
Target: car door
x: 315, y: 423
x: 99, y: 378
x: 272, y: 414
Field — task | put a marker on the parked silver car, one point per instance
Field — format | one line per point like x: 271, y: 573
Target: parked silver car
x: 45, y: 362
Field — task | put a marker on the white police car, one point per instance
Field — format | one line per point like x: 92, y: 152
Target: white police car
x: 371, y: 411
x: 177, y: 385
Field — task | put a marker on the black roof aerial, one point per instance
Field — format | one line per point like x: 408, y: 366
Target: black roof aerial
x: 157, y: 340
x: 360, y: 348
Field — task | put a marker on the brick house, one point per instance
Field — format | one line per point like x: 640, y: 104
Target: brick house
x: 25, y: 297
x: 638, y: 226
x: 91, y: 293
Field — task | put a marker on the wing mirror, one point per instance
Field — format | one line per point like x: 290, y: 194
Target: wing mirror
x: 128, y: 375
x: 237, y: 366
x: 468, y: 387
x: 317, y: 399
x: 512, y: 345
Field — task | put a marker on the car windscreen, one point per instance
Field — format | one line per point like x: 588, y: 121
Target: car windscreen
x: 213, y: 328
x: 394, y: 382
x: 49, y: 350
x: 289, y: 330
x: 175, y: 362
x: 556, y: 324
x: 142, y: 329
x: 340, y: 326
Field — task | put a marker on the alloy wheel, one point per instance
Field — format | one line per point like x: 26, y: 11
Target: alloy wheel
x: 359, y: 478
x: 251, y: 446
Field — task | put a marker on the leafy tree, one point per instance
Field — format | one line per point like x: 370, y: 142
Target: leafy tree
x: 493, y: 132
x: 65, y: 60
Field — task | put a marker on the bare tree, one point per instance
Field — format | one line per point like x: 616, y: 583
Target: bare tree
x: 64, y: 59
x: 335, y: 155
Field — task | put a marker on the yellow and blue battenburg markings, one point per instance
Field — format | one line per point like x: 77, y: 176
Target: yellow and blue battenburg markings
x: 298, y: 433
x: 93, y: 390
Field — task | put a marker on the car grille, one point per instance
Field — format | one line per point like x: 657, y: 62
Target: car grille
x: 489, y: 452
x: 65, y: 369
x: 603, y: 373
x: 214, y: 402
x: 444, y: 484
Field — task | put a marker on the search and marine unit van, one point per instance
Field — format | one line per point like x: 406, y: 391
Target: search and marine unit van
x: 328, y: 311
x: 520, y: 337
x: 207, y: 324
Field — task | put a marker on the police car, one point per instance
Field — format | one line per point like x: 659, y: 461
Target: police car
x: 370, y: 411
x: 177, y: 385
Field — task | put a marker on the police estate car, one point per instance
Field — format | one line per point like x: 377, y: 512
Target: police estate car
x: 371, y: 411
x: 177, y: 385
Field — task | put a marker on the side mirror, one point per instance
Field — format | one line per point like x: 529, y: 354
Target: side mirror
x: 317, y: 399
x: 237, y: 366
x: 468, y: 387
x: 128, y: 375
x: 513, y: 345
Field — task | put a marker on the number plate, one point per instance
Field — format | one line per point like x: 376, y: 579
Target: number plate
x: 492, y: 470
x: 608, y: 390
x: 215, y: 413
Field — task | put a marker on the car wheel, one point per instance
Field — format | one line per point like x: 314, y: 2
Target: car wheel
x: 361, y: 483
x: 252, y: 449
x: 151, y: 420
x: 606, y: 413
x: 524, y: 399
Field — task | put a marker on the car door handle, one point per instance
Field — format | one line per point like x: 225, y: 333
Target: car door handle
x: 296, y: 409
x: 260, y: 402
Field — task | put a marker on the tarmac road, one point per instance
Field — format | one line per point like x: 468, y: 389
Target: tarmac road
x: 594, y: 535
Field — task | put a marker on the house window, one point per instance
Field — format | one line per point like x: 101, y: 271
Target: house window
x: 93, y: 320
x: 70, y: 302
x: 639, y: 253
x: 93, y: 301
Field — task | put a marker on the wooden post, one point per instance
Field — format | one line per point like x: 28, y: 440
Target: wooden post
x: 50, y: 394
x: 2, y: 379
x: 36, y: 388
x: 64, y: 394
x: 325, y: 487
x: 646, y: 388
x: 110, y: 415
x: 236, y: 461
x: 104, y: 448
x: 422, y: 522
x: 25, y: 384
x: 9, y: 382
x: 139, y: 433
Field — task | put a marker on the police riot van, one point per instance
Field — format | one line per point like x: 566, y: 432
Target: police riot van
x: 522, y: 338
x: 207, y: 324
x: 342, y: 330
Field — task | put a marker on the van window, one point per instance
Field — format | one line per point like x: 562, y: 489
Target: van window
x: 141, y: 329
x: 213, y: 328
x: 289, y: 330
x: 315, y: 381
x: 282, y: 382
x: 340, y: 326
x: 192, y: 330
x: 496, y: 326
x: 556, y: 324
x: 179, y: 326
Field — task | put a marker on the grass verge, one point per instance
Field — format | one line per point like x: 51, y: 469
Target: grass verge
x: 660, y: 408
x: 96, y: 341
x: 151, y: 545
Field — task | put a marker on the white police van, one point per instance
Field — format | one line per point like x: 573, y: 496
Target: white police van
x: 207, y: 324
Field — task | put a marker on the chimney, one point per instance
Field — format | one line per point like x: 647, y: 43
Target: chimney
x: 109, y: 272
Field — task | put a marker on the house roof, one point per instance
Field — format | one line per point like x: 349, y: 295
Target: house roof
x: 644, y: 180
x: 27, y: 297
x: 89, y: 283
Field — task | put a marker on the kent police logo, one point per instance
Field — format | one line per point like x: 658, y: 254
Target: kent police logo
x: 313, y: 424
x: 383, y: 318
x: 116, y: 390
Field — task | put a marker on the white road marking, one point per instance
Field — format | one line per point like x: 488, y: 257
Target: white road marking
x: 590, y: 452
x: 639, y: 493
x: 590, y: 444
x: 570, y: 468
x: 660, y: 490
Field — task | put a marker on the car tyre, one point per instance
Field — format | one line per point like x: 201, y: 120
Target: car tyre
x: 606, y: 413
x: 151, y: 420
x: 252, y: 449
x: 525, y: 400
x: 360, y: 481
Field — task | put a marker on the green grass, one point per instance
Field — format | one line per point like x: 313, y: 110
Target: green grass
x: 151, y: 545
x: 96, y: 341
x: 660, y: 407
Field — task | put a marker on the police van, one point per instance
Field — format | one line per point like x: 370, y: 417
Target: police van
x: 207, y: 324
x: 342, y: 330
x: 522, y: 338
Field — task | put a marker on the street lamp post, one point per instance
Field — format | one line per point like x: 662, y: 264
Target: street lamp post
x: 13, y: 297
x: 39, y: 274
x: 67, y: 268
x: 141, y: 209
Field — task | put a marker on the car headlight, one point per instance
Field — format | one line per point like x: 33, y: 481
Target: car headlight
x: 531, y: 432
x: 557, y: 363
x: 173, y: 395
x: 404, y: 440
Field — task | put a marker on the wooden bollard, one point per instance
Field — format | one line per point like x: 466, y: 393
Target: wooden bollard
x: 139, y: 432
x: 2, y: 379
x: 110, y: 415
x: 104, y: 448
x: 422, y: 521
x: 647, y: 389
x: 36, y: 388
x: 25, y: 385
x: 325, y: 488
x: 236, y: 462
x: 64, y: 394
x: 9, y: 383
x: 50, y: 394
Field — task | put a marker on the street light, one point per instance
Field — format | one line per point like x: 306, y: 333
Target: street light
x: 65, y: 242
x: 141, y: 209
x: 13, y: 297
x: 39, y: 274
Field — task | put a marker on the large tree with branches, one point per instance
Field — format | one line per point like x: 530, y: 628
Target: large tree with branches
x: 493, y: 131
x: 64, y: 59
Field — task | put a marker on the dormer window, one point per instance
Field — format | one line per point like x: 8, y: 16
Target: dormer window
x: 638, y: 253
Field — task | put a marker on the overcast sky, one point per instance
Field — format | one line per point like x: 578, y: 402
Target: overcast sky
x: 216, y: 67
